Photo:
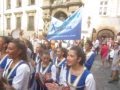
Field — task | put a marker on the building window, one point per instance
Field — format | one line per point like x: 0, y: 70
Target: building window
x: 18, y: 22
x: 19, y: 3
x: 31, y: 2
x: 8, y: 20
x: 103, y: 7
x: 30, y: 23
x: 8, y: 4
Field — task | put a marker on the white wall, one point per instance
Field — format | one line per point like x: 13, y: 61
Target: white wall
x: 91, y: 9
x: 25, y: 8
x: 118, y: 7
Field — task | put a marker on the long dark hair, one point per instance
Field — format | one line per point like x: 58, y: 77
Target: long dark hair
x: 64, y: 50
x: 29, y: 44
x: 21, y: 46
x: 6, y: 40
x: 80, y: 53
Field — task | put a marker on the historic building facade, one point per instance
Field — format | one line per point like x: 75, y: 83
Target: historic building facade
x: 104, y: 17
x: 101, y: 19
x: 60, y: 9
x: 23, y: 15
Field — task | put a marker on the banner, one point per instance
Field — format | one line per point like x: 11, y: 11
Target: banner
x: 70, y: 29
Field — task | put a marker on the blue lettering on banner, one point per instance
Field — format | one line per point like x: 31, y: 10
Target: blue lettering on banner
x: 70, y: 29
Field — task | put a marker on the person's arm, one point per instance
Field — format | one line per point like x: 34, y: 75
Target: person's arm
x: 21, y: 80
x: 90, y: 83
x: 55, y: 86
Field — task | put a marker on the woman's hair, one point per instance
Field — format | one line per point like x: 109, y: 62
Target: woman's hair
x: 46, y: 52
x: 6, y: 40
x: 46, y: 41
x: 42, y: 45
x: 21, y: 46
x: 64, y: 51
x: 89, y: 42
x: 29, y: 44
x: 80, y: 53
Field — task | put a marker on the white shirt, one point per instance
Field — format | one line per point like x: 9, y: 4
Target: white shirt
x: 89, y: 82
x: 21, y: 80
x: 96, y: 44
x: 116, y: 57
x: 111, y: 53
x: 53, y: 72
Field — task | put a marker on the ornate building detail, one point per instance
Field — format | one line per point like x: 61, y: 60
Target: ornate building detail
x: 60, y: 9
x: 60, y: 15
x: 46, y: 19
x: 106, y: 33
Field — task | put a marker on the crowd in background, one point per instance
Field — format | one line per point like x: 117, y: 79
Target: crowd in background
x: 54, y: 65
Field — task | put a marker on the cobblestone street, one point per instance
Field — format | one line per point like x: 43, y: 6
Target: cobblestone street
x: 102, y: 76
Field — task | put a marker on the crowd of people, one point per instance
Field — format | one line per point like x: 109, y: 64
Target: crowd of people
x: 53, y: 65
x: 110, y: 53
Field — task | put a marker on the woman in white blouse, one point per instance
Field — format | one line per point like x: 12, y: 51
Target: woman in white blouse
x: 17, y: 71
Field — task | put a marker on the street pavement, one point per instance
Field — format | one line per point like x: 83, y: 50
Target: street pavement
x: 102, y: 76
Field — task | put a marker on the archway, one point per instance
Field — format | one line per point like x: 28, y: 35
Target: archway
x: 60, y: 15
x: 105, y: 33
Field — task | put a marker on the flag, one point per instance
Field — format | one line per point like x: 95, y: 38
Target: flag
x: 70, y: 29
x: 54, y: 23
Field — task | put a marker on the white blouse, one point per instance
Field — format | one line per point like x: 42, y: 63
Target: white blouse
x: 21, y: 80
